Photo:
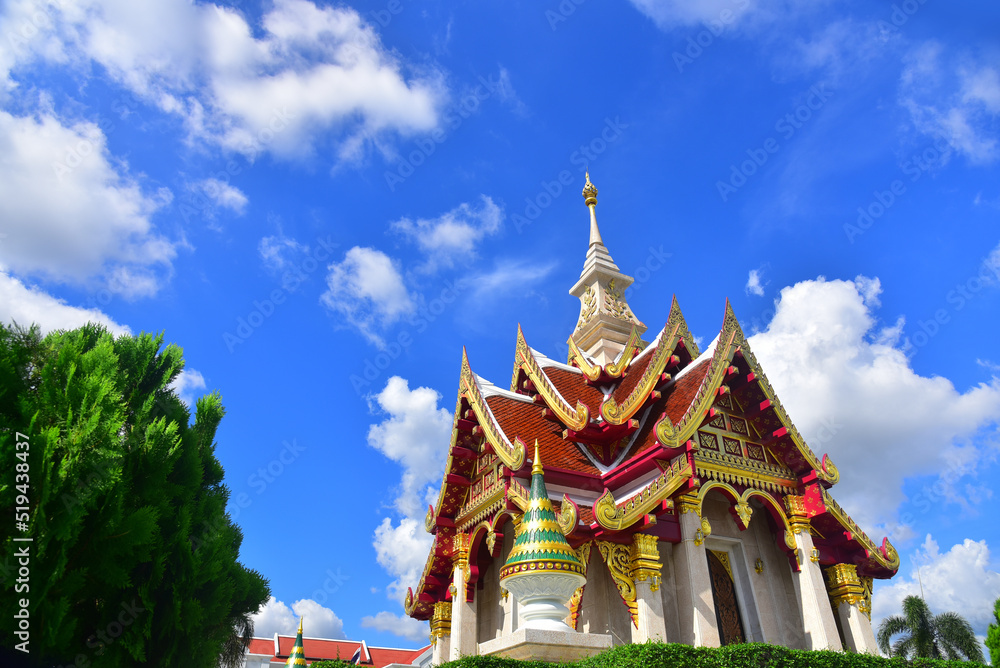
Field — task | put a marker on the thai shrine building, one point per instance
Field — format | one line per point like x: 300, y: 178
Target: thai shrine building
x: 698, y: 512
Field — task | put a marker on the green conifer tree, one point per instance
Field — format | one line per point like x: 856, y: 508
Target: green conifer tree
x: 134, y: 559
x: 993, y: 635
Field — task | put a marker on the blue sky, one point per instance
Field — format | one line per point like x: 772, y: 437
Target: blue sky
x: 323, y: 203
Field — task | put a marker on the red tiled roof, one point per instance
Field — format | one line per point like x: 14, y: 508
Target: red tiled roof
x: 317, y: 649
x: 519, y: 419
x: 676, y: 399
x: 574, y: 387
x: 632, y: 376
x: 681, y: 393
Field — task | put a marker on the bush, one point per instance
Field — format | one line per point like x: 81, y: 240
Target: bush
x: 748, y: 655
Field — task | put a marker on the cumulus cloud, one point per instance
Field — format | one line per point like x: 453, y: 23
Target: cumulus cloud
x: 403, y: 626
x: 844, y: 381
x: 71, y: 213
x: 960, y: 580
x: 368, y: 291
x: 953, y: 100
x: 186, y: 384
x: 414, y: 434
x: 402, y: 549
x: 754, y: 286
x: 454, y: 235
x: 222, y: 195
x: 29, y: 305
x: 303, y: 73
x: 276, y: 617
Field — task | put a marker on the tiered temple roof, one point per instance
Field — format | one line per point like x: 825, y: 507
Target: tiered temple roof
x: 624, y: 435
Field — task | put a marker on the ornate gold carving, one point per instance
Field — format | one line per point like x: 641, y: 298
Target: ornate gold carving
x: 574, y: 418
x: 616, y: 369
x: 429, y: 519
x: 511, y: 454
x: 704, y: 531
x: 583, y: 554
x: 814, y: 556
x: 844, y: 586
x: 677, y: 318
x: 646, y: 560
x: 865, y: 605
x: 747, y: 472
x: 759, y: 565
x: 491, y: 541
x: 798, y: 518
x: 576, y: 355
x: 618, y: 559
x: 441, y: 620
x: 723, y: 557
x: 588, y: 306
x: 610, y: 409
x: 518, y: 494
x: 744, y: 511
x: 611, y: 516
x: 568, y: 517
x: 889, y: 559
x: 689, y: 503
x: 615, y: 304
x: 460, y: 549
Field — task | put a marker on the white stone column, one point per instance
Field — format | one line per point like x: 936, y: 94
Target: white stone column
x: 847, y: 596
x: 818, y: 621
x: 463, y: 614
x: 646, y: 568
x: 695, y: 603
x: 441, y: 633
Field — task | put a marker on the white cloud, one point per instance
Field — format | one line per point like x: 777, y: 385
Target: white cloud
x: 961, y: 580
x: 453, y: 236
x: 508, y: 276
x: 278, y: 251
x: 302, y: 73
x: 405, y: 627
x: 222, y: 194
x: 754, y: 286
x: 415, y: 435
x: 402, y: 549
x: 954, y: 102
x: 186, y: 384
x: 669, y: 14
x: 28, y: 305
x: 850, y: 390
x: 71, y: 214
x: 318, y: 621
x: 367, y: 289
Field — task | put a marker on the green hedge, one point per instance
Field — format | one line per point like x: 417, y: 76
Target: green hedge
x: 750, y: 655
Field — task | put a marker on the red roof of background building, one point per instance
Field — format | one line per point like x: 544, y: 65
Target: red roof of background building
x: 317, y: 649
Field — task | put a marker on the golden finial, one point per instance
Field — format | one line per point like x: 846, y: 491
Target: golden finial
x: 589, y: 192
x: 300, y: 624
x: 536, y: 466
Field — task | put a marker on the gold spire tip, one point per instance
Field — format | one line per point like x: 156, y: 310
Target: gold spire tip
x: 300, y: 624
x: 536, y: 466
x: 589, y: 192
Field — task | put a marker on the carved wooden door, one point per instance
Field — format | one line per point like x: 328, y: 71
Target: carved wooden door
x: 727, y: 610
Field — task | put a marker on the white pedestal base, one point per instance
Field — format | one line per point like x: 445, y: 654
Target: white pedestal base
x: 544, y: 645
